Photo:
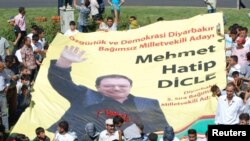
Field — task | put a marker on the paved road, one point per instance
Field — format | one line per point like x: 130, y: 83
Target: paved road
x: 52, y: 3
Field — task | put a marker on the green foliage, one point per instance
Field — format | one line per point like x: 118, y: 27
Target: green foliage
x: 145, y: 16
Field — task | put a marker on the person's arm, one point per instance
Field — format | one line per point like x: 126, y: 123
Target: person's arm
x: 217, y: 115
x: 7, y: 51
x: 122, y: 2
x: 116, y: 15
x: 59, y: 75
x: 17, y: 38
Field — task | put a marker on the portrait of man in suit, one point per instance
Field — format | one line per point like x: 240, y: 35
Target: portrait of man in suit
x: 112, y: 97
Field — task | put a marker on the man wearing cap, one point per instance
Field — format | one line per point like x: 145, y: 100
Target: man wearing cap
x: 111, y: 98
x: 109, y: 134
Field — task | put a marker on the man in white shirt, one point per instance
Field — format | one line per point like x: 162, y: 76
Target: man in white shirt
x: 112, y: 23
x: 72, y: 31
x: 192, y: 135
x: 62, y: 133
x: 109, y: 134
x: 229, y: 107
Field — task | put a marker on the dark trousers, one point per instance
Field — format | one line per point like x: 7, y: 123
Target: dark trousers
x: 242, y: 5
x: 12, y: 102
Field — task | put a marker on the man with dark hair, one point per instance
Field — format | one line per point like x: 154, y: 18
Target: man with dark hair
x: 133, y: 24
x: 192, y: 135
x: 72, y: 30
x: 216, y: 91
x: 40, y: 135
x: 152, y: 137
x: 244, y: 119
x: 234, y: 110
x: 18, y: 35
x: 62, y: 133
x: 111, y: 98
x: 20, y: 20
x: 237, y: 81
x: 233, y: 66
x: 118, y: 121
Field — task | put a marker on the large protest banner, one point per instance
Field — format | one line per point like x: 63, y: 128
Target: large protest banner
x: 172, y: 65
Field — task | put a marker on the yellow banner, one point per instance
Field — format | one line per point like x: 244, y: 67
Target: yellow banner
x: 172, y: 65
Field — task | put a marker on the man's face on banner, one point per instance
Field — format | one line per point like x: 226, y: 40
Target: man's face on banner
x: 115, y: 88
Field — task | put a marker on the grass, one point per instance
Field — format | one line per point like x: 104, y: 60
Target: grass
x: 145, y: 16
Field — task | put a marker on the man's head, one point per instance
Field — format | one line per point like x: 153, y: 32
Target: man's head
x: 110, y: 21
x: 27, y: 41
x: 63, y: 127
x: 21, y: 10
x: 40, y: 133
x: 72, y: 25
x: 230, y: 89
x: 99, y: 20
x: 132, y: 18
x: 215, y: 90
x: 244, y: 119
x: 236, y: 75
x: 243, y: 32
x: 233, y: 34
x: 192, y: 135
x: 35, y: 38
x: 110, y: 125
x: 25, y: 90
x: 9, y: 60
x: 25, y: 79
x: 233, y: 60
x: 40, y: 33
x: 118, y: 121
x: 152, y: 137
x: 24, y: 70
x: 34, y: 29
x: 114, y: 86
x: 90, y: 129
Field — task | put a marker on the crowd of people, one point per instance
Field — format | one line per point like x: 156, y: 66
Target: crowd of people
x: 18, y: 69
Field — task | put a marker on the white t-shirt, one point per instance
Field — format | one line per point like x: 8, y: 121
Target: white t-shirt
x: 65, y: 137
x: 113, y: 27
x: 18, y: 55
x: 105, y: 136
x: 103, y: 26
x: 70, y: 32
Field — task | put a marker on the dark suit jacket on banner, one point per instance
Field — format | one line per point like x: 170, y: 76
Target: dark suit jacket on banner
x: 87, y: 105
